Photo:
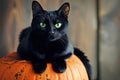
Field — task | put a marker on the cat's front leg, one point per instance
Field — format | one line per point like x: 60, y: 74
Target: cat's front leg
x: 39, y: 63
x: 59, y: 66
x: 39, y: 67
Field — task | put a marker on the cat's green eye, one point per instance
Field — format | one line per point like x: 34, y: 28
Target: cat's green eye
x: 42, y: 25
x: 58, y: 25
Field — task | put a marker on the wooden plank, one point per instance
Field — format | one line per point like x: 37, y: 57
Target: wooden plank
x: 110, y: 39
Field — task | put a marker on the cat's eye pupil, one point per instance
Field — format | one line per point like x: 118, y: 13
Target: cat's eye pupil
x: 58, y: 25
x: 43, y: 25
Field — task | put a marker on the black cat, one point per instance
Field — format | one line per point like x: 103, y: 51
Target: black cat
x: 46, y: 40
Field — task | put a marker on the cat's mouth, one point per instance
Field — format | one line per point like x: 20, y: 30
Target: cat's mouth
x: 53, y: 38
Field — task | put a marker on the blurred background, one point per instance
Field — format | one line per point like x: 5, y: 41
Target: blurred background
x: 94, y: 29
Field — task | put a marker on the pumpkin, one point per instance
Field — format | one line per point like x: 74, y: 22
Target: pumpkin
x: 12, y: 68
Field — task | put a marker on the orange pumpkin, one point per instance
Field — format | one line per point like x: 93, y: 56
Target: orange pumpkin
x: 12, y: 68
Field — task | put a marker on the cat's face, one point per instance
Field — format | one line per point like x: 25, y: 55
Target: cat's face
x: 52, y: 25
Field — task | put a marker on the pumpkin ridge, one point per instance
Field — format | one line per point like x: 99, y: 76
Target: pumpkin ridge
x: 58, y: 76
x: 66, y: 75
x: 74, y: 71
x: 76, y: 66
x: 70, y: 70
x: 79, y: 71
x: 82, y: 70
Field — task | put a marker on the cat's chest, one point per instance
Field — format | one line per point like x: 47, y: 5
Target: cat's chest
x: 48, y: 48
x: 41, y: 44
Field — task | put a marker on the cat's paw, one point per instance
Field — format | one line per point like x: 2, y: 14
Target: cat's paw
x: 39, y: 68
x: 59, y: 66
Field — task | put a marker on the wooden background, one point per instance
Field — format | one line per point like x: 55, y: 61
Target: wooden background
x: 15, y: 15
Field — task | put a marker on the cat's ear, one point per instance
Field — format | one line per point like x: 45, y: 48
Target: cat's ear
x: 36, y: 8
x: 64, y: 9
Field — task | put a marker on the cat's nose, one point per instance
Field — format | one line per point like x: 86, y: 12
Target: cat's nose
x: 52, y: 32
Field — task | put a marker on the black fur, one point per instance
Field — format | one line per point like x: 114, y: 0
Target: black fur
x: 43, y: 42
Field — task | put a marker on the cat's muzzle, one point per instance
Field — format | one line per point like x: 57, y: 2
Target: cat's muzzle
x: 54, y: 37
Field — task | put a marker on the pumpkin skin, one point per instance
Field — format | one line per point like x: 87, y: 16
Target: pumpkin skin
x: 12, y: 68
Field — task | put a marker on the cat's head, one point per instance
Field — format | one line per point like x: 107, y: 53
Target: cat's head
x: 50, y: 24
